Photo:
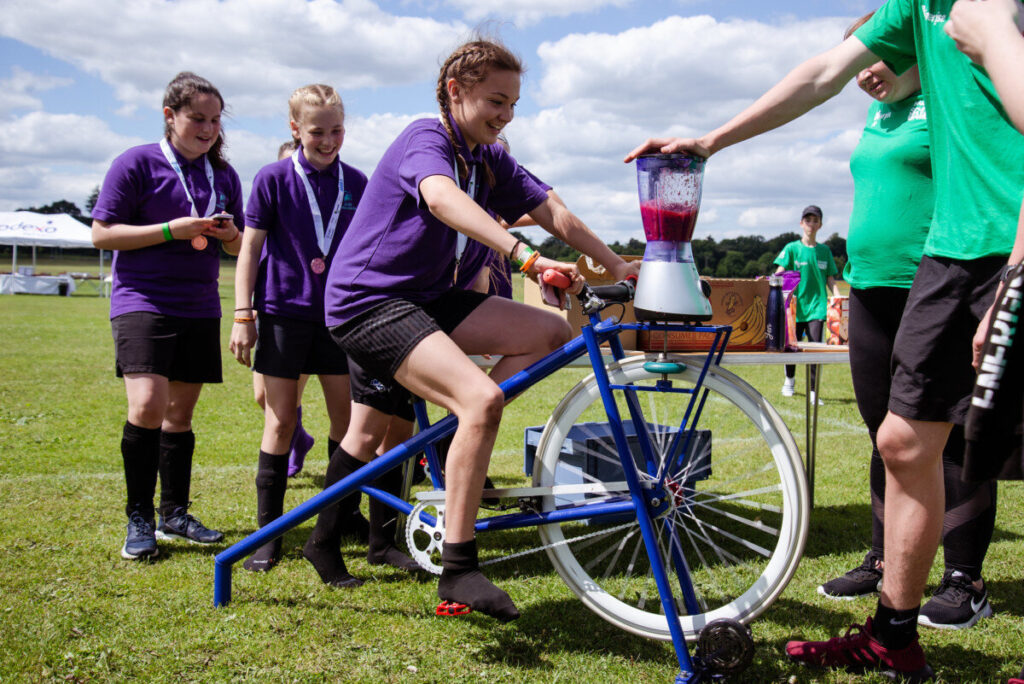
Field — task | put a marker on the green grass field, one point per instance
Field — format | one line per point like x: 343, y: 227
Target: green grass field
x: 72, y: 610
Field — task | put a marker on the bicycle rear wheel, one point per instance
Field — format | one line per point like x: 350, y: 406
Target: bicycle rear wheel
x: 734, y: 512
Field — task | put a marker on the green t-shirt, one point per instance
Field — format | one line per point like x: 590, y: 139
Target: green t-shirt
x: 977, y: 155
x: 815, y: 265
x: 893, y: 196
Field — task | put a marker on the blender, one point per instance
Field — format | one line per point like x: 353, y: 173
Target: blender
x: 669, y: 288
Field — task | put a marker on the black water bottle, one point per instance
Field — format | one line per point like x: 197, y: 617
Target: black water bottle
x: 775, y: 327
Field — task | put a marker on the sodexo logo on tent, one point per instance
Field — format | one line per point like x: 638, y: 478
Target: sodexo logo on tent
x: 27, y: 227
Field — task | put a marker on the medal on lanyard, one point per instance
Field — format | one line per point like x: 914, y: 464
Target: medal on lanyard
x: 323, y: 236
x: 199, y: 242
x: 461, y: 239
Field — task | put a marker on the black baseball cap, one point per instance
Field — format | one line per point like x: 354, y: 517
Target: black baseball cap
x: 811, y: 209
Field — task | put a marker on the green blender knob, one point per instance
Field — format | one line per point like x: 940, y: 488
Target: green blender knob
x: 664, y: 367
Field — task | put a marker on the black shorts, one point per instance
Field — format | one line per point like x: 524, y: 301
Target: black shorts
x: 180, y: 349
x: 287, y: 347
x: 381, y: 338
x: 383, y: 394
x: 932, y: 374
x: 875, y: 314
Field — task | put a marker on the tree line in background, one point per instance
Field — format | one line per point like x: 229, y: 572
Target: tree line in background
x: 747, y: 256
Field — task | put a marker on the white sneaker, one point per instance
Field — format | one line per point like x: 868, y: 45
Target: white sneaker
x: 789, y: 387
x: 814, y: 398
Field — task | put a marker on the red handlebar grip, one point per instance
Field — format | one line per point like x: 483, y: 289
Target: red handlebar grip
x: 556, y: 279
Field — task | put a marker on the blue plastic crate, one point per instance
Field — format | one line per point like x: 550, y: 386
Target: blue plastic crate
x: 589, y: 446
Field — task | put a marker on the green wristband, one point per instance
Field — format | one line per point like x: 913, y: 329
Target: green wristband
x: 524, y: 256
x: 167, y: 232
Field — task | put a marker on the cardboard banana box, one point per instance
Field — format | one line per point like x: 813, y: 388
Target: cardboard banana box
x: 739, y: 302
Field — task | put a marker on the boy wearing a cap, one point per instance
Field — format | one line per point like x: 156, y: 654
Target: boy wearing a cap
x: 817, y: 271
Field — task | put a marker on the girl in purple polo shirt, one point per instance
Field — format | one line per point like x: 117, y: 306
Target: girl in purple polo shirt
x: 392, y: 306
x: 299, y: 209
x: 158, y: 210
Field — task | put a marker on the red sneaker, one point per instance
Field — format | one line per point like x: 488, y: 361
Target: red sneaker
x: 858, y: 650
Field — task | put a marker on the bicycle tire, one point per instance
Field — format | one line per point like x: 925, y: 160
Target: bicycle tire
x: 741, y: 519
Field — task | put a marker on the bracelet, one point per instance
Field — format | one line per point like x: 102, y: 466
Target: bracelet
x: 529, y: 261
x: 237, y: 233
x: 244, y: 319
x: 167, y: 231
x: 511, y: 252
x: 524, y: 254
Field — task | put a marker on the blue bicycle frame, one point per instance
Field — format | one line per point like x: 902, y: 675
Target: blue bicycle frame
x: 644, y: 502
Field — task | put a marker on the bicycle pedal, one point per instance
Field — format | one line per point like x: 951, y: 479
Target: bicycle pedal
x: 452, y: 609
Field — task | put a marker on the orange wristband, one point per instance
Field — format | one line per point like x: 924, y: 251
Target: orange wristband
x: 530, y: 260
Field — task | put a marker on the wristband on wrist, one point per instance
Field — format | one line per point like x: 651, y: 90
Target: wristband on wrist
x: 529, y: 261
x: 167, y: 231
x: 237, y: 233
x: 512, y: 252
x: 244, y: 319
x: 523, y: 255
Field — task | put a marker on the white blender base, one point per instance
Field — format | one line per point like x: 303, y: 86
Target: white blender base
x: 670, y: 291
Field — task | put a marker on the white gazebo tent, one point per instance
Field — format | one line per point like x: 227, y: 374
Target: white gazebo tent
x: 29, y: 229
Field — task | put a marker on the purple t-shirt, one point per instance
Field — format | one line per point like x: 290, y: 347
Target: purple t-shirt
x: 478, y: 256
x: 169, y: 278
x: 395, y: 248
x: 286, y: 284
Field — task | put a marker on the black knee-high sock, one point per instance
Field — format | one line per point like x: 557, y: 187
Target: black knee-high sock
x: 322, y: 549
x: 357, y: 526
x: 462, y: 582
x: 877, y: 478
x: 140, y: 451
x: 175, y: 470
x: 970, y: 516
x: 271, y: 483
x: 383, y: 525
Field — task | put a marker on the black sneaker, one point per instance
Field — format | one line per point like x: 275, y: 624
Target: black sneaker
x: 140, y: 540
x: 181, y: 525
x: 863, y: 580
x: 956, y: 604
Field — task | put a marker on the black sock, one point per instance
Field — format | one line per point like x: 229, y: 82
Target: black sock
x: 383, y: 525
x: 322, y: 549
x: 895, y: 629
x: 271, y: 483
x: 175, y: 470
x: 140, y: 451
x: 356, y: 526
x: 462, y: 582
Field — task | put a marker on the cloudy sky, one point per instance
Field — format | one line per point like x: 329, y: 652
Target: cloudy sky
x: 82, y: 81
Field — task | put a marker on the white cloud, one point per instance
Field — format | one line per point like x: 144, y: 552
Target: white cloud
x: 46, y: 157
x: 528, y: 12
x: 255, y: 51
x: 19, y: 89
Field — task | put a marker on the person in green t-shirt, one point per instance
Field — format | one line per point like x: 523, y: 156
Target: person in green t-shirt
x: 817, y: 271
x: 892, y: 210
x: 978, y: 170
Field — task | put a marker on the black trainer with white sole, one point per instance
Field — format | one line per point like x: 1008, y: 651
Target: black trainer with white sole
x: 181, y: 525
x: 956, y: 604
x: 140, y: 542
x: 863, y: 580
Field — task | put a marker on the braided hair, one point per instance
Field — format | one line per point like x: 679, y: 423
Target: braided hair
x: 470, y: 64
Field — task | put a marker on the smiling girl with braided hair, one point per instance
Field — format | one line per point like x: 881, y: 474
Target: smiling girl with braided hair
x: 392, y: 305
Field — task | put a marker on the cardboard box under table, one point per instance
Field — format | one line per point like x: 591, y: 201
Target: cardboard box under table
x: 739, y: 302
x: 589, y: 455
x: 594, y: 274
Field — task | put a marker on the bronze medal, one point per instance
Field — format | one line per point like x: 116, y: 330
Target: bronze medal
x: 199, y: 242
x: 318, y: 266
